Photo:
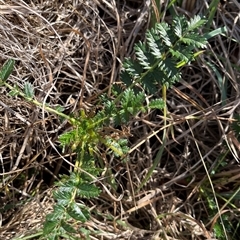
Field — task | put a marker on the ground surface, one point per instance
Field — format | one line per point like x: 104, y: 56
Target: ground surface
x: 72, y: 52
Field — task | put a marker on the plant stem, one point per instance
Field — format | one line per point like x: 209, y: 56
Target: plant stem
x: 49, y: 109
x: 158, y: 158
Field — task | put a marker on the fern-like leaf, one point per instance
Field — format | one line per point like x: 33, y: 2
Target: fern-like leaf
x: 179, y: 26
x: 182, y: 56
x: 153, y: 43
x: 87, y: 190
x: 15, y: 91
x: 7, y: 69
x: 78, y: 212
x: 63, y: 195
x: 156, y: 104
x: 118, y: 147
x: 194, y: 40
x: 29, y: 90
x: 133, y: 68
x: 159, y: 56
x: 49, y: 226
x: 126, y: 77
x: 195, y: 23
x: 163, y: 30
x: 131, y: 103
x: 67, y: 138
x: 142, y: 56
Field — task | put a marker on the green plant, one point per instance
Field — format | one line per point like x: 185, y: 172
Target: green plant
x: 159, y: 59
x: 157, y: 64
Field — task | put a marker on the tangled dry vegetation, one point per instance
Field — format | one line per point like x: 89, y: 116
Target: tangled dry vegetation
x: 71, y: 51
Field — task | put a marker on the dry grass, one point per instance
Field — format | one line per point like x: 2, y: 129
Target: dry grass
x: 71, y: 52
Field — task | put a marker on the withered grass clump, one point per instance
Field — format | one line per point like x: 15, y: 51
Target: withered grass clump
x: 72, y: 52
